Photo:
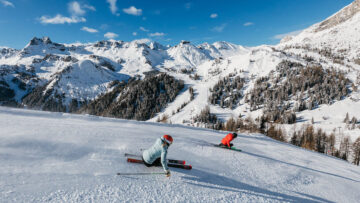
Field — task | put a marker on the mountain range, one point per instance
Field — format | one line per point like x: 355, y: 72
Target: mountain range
x: 309, y: 78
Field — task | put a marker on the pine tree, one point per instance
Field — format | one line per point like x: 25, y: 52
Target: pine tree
x: 294, y: 139
x: 346, y: 120
x: 332, y: 143
x: 356, y: 151
x: 230, y: 125
x: 309, y: 139
x: 345, y: 147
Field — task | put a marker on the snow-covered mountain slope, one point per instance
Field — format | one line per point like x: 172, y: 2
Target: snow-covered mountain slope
x: 186, y: 55
x: 111, y: 60
x: 253, y: 63
x: 55, y: 157
x: 6, y: 52
x: 65, y: 77
x: 339, y: 33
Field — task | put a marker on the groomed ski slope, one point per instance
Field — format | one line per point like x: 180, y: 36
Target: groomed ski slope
x: 56, y: 157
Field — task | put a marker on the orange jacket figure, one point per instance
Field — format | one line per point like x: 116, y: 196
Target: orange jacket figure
x: 227, y: 139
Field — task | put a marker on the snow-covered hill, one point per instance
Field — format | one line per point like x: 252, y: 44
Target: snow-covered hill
x: 59, y: 157
x: 339, y: 33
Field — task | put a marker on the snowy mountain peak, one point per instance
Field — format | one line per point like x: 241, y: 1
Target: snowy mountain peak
x: 184, y: 42
x: 186, y: 55
x: 42, y: 46
x: 340, y: 17
x: 157, y: 46
x: 224, y: 45
x: 108, y: 43
x: 7, y: 52
x: 338, y: 33
x: 38, y: 41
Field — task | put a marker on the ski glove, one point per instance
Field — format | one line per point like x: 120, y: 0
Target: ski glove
x: 167, y: 173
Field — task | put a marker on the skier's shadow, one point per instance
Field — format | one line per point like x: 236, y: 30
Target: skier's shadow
x: 213, y: 181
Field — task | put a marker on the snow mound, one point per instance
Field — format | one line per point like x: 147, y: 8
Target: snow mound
x: 52, y: 157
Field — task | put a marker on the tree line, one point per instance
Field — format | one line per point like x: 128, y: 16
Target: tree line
x: 137, y: 99
x: 227, y: 92
x: 293, y: 88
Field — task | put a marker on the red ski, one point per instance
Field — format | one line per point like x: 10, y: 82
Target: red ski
x: 174, y: 165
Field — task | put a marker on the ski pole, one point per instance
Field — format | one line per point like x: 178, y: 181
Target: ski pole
x: 119, y: 174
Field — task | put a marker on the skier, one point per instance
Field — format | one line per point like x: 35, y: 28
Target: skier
x: 225, y: 142
x: 156, y: 155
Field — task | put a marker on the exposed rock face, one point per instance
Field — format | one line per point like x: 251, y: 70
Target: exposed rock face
x: 342, y: 16
x: 7, y: 52
x: 6, y: 94
x: 37, y: 44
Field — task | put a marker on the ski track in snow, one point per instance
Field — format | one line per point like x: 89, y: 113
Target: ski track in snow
x: 59, y: 157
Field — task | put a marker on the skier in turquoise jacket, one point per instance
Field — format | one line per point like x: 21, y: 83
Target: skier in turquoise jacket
x: 156, y: 155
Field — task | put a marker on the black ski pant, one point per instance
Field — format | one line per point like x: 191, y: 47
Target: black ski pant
x: 222, y: 145
x: 157, y: 162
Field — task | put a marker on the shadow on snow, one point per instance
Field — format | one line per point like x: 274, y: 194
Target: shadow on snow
x: 208, y: 180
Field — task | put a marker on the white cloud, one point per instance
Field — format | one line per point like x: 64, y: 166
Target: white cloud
x: 280, y: 36
x: 113, y: 7
x: 248, y: 24
x: 134, y: 33
x: 157, y: 34
x: 91, y: 30
x: 133, y: 11
x: 7, y: 3
x: 188, y: 6
x: 214, y: 15
x: 219, y: 28
x: 59, y: 19
x: 75, y: 8
x: 92, y: 8
x: 143, y: 29
x: 110, y: 35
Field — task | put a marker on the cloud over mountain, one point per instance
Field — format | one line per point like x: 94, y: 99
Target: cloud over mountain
x: 132, y: 10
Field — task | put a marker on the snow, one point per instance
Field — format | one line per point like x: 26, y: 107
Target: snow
x: 86, y: 78
x: 256, y: 62
x: 56, y: 157
x: 59, y: 157
x: 211, y: 62
x: 340, y: 32
x: 330, y: 118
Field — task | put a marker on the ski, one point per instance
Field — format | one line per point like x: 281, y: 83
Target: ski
x: 231, y: 148
x: 173, y: 165
x: 173, y: 161
x: 124, y: 174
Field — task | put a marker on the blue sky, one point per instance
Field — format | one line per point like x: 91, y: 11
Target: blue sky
x: 244, y: 22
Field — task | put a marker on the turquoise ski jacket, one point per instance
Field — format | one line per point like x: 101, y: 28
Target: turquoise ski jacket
x: 156, y: 151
